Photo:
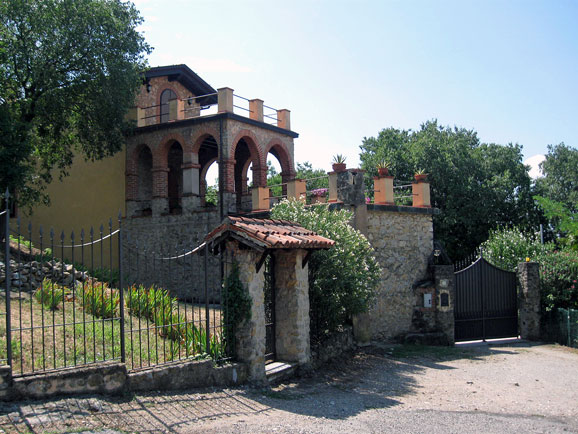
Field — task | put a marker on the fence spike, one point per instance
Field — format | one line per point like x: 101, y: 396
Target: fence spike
x: 51, y: 234
x: 119, y: 215
x: 82, y: 235
x: 101, y: 229
x: 72, y: 237
x: 91, y: 232
x: 6, y: 196
x: 110, y: 224
x: 62, y: 236
x: 40, y: 231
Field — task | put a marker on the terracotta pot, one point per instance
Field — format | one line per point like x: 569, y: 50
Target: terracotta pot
x: 382, y: 171
x: 420, y: 177
x: 339, y: 167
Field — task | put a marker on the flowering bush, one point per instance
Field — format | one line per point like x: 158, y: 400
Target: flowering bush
x: 558, y: 269
x: 342, y: 280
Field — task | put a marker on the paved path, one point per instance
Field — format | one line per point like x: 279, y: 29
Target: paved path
x: 494, y: 389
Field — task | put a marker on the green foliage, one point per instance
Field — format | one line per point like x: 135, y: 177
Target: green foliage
x: 506, y: 248
x: 100, y: 300
x: 342, y: 280
x: 476, y: 186
x: 558, y: 279
x: 69, y: 71
x: 156, y: 305
x: 560, y: 180
x: 339, y: 159
x: 236, y: 304
x: 50, y: 294
x: 212, y: 195
x: 558, y: 268
x: 565, y: 220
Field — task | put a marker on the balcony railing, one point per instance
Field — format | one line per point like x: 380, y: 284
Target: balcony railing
x: 227, y: 102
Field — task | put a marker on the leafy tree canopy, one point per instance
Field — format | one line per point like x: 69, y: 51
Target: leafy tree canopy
x: 69, y: 71
x: 560, y: 180
x: 476, y: 186
x: 565, y: 220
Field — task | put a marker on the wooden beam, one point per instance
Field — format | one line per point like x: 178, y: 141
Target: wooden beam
x: 306, y: 258
x: 261, y: 260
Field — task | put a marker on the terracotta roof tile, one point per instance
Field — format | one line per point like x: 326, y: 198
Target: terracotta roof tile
x: 271, y: 234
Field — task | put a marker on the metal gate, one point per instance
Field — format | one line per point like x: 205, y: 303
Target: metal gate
x: 486, y: 304
x: 270, y: 353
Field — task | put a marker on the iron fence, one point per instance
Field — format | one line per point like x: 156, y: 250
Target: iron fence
x: 93, y: 297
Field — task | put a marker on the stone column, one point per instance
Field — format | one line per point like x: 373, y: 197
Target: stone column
x: 292, y: 307
x: 445, y: 295
x: 250, y: 335
x: 191, y: 199
x: 529, y: 300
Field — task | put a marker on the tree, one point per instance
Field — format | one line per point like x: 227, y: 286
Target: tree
x: 69, y: 71
x: 342, y: 280
x: 566, y: 221
x: 476, y: 186
x: 560, y: 180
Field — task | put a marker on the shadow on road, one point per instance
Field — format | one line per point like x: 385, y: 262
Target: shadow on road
x: 373, y: 377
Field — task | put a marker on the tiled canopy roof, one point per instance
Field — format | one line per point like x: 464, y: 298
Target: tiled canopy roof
x: 268, y: 234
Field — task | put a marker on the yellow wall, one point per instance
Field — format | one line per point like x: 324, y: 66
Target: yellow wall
x: 93, y: 193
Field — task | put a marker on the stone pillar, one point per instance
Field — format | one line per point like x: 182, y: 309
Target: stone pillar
x: 421, y: 194
x: 250, y: 335
x: 260, y: 198
x: 256, y: 109
x: 444, y: 303
x: 292, y: 307
x: 225, y: 99
x: 284, y: 119
x: 383, y: 190
x: 529, y: 300
x: 297, y: 189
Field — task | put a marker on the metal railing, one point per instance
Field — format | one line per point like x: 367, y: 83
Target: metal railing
x: 76, y: 300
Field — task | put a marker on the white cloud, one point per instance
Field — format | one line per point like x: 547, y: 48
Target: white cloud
x: 534, y: 162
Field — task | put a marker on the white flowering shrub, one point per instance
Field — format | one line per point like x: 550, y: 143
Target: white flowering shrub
x: 342, y: 280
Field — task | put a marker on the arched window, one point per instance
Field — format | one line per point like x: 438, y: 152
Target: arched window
x: 167, y: 96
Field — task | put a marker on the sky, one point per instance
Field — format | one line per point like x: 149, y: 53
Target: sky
x: 348, y: 69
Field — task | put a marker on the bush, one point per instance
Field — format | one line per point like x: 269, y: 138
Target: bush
x: 100, y: 300
x: 558, y: 268
x: 50, y: 294
x: 505, y: 248
x: 342, y: 280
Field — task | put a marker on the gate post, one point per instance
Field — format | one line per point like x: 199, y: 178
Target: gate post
x: 445, y: 296
x: 529, y: 300
x: 250, y: 335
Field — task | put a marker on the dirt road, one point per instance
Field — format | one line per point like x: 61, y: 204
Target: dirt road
x: 515, y: 387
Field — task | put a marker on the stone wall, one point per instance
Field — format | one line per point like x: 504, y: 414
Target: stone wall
x: 403, y: 241
x: 529, y: 304
x: 113, y: 379
x: 147, y: 239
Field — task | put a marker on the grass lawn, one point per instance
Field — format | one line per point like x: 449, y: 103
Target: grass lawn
x: 44, y: 339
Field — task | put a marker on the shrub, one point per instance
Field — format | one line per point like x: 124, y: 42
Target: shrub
x: 50, y: 294
x: 342, y: 280
x: 100, y: 300
x: 558, y: 268
x: 505, y: 248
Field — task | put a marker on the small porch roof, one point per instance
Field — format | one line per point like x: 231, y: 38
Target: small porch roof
x: 267, y: 234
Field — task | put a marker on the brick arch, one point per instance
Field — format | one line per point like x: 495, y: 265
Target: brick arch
x: 253, y: 144
x: 161, y: 151
x: 284, y: 157
x: 132, y: 158
x: 199, y: 137
x: 205, y: 168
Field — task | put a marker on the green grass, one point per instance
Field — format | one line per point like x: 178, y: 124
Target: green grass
x: 407, y: 351
x: 44, y: 339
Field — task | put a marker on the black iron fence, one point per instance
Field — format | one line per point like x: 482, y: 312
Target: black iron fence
x: 92, y: 297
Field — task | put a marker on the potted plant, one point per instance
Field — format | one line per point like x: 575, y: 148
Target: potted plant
x: 383, y: 168
x: 339, y: 163
x: 420, y: 175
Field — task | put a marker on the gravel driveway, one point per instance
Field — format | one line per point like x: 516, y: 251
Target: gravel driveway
x: 497, y: 388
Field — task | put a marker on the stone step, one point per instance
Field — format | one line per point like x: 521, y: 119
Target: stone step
x: 279, y: 371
